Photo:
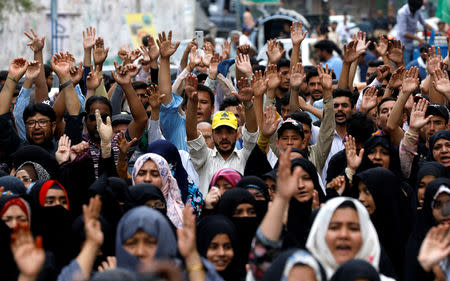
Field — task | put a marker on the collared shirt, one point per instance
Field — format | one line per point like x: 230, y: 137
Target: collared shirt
x: 208, y: 161
x: 173, y: 124
x: 407, y: 23
x: 336, y: 64
x: 336, y: 146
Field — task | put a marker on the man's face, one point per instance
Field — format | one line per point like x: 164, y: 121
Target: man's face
x: 224, y: 139
x: 321, y: 54
x: 315, y: 88
x: 237, y: 113
x: 119, y: 128
x: 90, y: 121
x: 289, y: 138
x: 235, y: 39
x: 370, y: 71
x: 39, y: 129
x: 307, y: 133
x: 333, y: 26
x: 423, y: 55
x: 436, y: 123
x: 285, y: 77
x: 284, y: 111
x: 145, y: 65
x: 342, y: 109
x: 384, y: 113
x: 206, y: 131
x: 205, y: 107
x: 143, y: 95
x: 49, y: 82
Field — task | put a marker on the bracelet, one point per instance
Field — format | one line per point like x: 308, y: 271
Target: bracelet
x: 195, y: 268
x: 248, y: 107
x: 65, y: 84
x: 13, y: 79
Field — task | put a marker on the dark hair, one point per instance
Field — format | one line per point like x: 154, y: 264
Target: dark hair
x: 301, y: 117
x: 323, y: 28
x: 229, y: 101
x: 41, y: 108
x: 347, y: 204
x: 145, y: 40
x: 90, y: 101
x: 325, y: 45
x: 311, y: 72
x: 283, y: 63
x: 285, y: 99
x: 339, y: 92
x: 383, y: 101
x: 3, y: 75
x: 262, y: 68
x: 204, y: 88
x: 108, y: 81
x: 139, y: 85
x: 48, y: 70
x: 202, y: 77
x: 374, y: 63
x: 360, y: 126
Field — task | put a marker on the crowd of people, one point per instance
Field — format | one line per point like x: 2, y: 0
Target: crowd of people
x: 235, y: 170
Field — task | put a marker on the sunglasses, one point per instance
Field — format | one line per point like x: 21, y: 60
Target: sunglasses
x: 92, y: 117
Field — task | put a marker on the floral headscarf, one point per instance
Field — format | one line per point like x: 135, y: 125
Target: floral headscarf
x: 169, y: 187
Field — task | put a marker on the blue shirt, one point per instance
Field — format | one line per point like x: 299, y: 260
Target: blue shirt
x: 173, y: 124
x: 407, y: 23
x: 336, y: 64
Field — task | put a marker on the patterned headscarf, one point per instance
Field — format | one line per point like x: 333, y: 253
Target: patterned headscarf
x: 41, y: 173
x: 230, y: 175
x: 169, y: 186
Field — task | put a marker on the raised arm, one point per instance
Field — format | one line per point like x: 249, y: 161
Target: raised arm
x: 93, y: 81
x: 395, y: 52
x: 184, y: 58
x: 245, y: 96
x: 16, y: 70
x: 37, y: 45
x: 441, y: 83
x: 61, y: 66
x: 350, y: 55
x: 166, y: 49
x: 259, y: 88
x: 191, y: 83
x: 88, y: 44
x: 274, y: 54
x: 297, y: 36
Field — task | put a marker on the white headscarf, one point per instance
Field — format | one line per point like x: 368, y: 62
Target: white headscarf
x: 316, y: 244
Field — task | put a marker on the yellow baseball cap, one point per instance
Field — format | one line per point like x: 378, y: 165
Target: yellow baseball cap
x: 224, y: 118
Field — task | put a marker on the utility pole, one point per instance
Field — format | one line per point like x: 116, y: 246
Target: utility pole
x: 54, y: 25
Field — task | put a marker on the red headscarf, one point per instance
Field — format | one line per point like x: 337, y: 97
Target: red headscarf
x: 44, y: 189
x: 19, y: 202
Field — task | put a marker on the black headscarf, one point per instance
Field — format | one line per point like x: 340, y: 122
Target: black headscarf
x: 309, y: 167
x: 13, y: 184
x: 207, y: 229
x: 414, y: 5
x: 38, y: 155
x: 247, y: 226
x: 141, y: 193
x: 443, y: 134
x: 372, y: 142
x: 354, y: 270
x: 391, y: 217
x: 258, y: 184
x: 432, y: 168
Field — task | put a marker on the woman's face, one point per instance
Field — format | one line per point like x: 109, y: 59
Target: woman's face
x: 272, y: 187
x: 343, y: 236
x: 223, y: 185
x: 24, y: 177
x: 422, y: 187
x: 245, y: 210
x: 149, y: 173
x: 142, y: 246
x: 365, y: 197
x: 380, y: 156
x: 13, y: 215
x: 156, y: 204
x: 439, y: 205
x: 220, y: 252
x: 441, y: 152
x: 305, y: 187
x: 302, y: 273
x: 55, y: 197
x: 257, y: 194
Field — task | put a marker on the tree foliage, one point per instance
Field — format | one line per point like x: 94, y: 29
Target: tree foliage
x: 15, y: 5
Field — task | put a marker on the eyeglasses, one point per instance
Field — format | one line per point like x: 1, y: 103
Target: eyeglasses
x: 92, y: 117
x: 156, y: 205
x: 142, y: 95
x: 42, y: 123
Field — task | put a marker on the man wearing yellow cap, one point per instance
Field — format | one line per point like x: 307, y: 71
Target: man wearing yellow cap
x: 224, y: 126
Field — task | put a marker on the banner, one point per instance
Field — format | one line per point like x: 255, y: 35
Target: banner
x: 140, y: 25
x: 443, y: 10
x: 260, y: 2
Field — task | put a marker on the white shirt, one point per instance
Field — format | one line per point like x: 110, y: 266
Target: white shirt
x: 207, y: 161
x: 336, y: 146
x: 244, y: 40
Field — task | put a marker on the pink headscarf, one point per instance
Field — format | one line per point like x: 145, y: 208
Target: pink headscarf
x: 230, y: 175
x: 169, y: 187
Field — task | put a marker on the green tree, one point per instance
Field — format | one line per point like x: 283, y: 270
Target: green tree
x: 15, y: 5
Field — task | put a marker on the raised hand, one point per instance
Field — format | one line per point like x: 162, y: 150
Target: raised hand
x: 123, y: 144
x: 243, y: 64
x: 287, y: 180
x: 36, y: 44
x: 166, y: 48
x: 297, y: 34
x: 104, y: 130
x: 94, y: 78
x: 63, y: 153
x: 297, y: 76
x: 33, y: 70
x: 270, y: 121
x: 325, y: 76
x: 212, y: 198
x: 122, y: 75
x: 28, y: 254
x: 132, y: 69
x: 123, y: 52
x: 361, y: 44
x: 191, y: 84
x: 382, y: 72
x: 441, y: 82
x: 209, y: 53
x: 260, y: 84
x: 109, y: 264
x: 132, y: 56
x: 395, y: 52
x: 417, y: 119
x: 350, y: 53
x: 155, y: 98
x: 435, y: 247
x: 61, y: 65
x: 194, y: 59
x: 17, y: 68
x: 78, y: 149
x: 226, y: 49
x: 245, y: 93
x: 337, y: 183
x: 186, y: 235
x: 396, y: 79
x: 434, y: 59
x: 213, y: 72
x: 382, y: 46
x: 100, y: 53
x: 89, y: 38
x: 76, y: 73
x: 92, y: 225
x: 151, y: 51
x: 354, y: 159
x: 274, y: 52
x: 369, y: 99
x: 411, y: 80
x: 273, y: 76
x: 243, y: 49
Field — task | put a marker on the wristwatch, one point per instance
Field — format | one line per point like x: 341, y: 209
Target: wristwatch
x: 65, y: 84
